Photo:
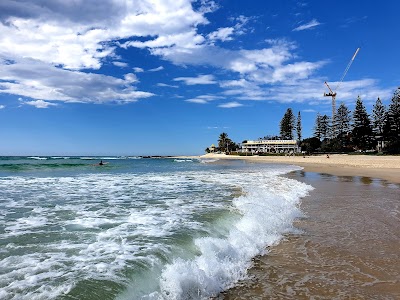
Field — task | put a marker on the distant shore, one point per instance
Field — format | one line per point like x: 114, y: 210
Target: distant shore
x: 384, y: 167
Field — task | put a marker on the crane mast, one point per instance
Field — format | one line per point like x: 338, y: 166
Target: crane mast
x: 334, y: 93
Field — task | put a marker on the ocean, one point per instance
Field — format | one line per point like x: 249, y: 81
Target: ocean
x: 138, y: 228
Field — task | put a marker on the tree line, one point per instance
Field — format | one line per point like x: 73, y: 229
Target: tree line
x: 358, y: 130
x: 347, y: 132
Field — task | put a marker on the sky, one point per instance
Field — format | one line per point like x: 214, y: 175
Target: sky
x: 167, y: 77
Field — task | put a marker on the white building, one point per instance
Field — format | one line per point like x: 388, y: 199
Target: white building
x: 270, y: 146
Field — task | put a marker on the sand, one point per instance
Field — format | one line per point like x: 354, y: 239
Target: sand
x: 348, y: 241
x: 347, y: 247
x: 384, y: 167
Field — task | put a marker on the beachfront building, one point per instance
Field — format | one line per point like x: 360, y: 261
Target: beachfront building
x: 270, y: 146
x: 212, y: 149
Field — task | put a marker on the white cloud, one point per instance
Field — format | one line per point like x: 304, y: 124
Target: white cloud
x: 2, y: 106
x: 69, y: 36
x: 138, y: 70
x: 203, y: 99
x: 130, y: 78
x: 308, y: 91
x: 40, y: 103
x: 167, y: 85
x: 120, y: 64
x: 230, y: 105
x: 201, y: 79
x: 197, y: 100
x: 79, y: 34
x: 160, y: 68
x: 37, y: 80
x: 223, y: 34
x: 309, y: 110
x: 310, y: 25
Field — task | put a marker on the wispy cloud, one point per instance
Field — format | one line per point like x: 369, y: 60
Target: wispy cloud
x: 138, y: 70
x: 197, y: 100
x: 204, y: 99
x: 223, y: 34
x: 309, y: 110
x: 230, y: 105
x: 120, y: 64
x: 310, y: 25
x: 201, y: 79
x: 2, y: 106
x: 40, y: 103
x: 160, y: 68
x: 167, y: 85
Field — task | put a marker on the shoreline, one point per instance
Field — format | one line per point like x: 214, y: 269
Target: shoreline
x: 333, y: 254
x: 383, y: 167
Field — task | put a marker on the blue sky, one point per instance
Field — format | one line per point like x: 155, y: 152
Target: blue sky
x: 147, y: 77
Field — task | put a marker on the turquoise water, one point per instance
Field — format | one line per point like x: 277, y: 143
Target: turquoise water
x: 137, y: 228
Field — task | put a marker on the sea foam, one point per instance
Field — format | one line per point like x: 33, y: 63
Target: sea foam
x: 171, y: 235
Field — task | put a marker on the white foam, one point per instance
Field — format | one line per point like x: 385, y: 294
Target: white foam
x: 124, y: 220
x: 208, y: 160
x: 183, y: 160
x: 268, y: 209
x: 37, y: 157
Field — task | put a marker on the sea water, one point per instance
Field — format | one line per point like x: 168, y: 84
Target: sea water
x: 137, y: 228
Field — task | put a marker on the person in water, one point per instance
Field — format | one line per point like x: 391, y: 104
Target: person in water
x: 101, y: 163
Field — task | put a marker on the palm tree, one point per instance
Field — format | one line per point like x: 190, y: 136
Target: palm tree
x: 223, y: 140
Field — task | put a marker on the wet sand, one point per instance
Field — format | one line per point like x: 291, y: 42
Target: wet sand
x: 348, y: 246
x: 385, y: 167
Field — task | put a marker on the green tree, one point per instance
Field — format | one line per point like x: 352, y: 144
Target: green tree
x: 287, y: 125
x: 325, y: 127
x: 392, y: 125
x: 379, y: 116
x: 225, y: 144
x: 298, y: 127
x: 317, y: 127
x: 310, y: 145
x: 342, y: 128
x: 322, y: 128
x: 362, y: 130
x: 342, y: 120
x: 223, y: 141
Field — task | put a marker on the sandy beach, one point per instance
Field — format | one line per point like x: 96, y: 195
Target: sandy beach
x: 384, y: 167
x: 348, y: 241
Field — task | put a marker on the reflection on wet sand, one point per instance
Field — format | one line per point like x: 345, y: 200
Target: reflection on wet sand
x: 348, y: 249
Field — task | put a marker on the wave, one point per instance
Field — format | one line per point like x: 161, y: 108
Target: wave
x: 29, y: 167
x: 208, y: 160
x: 37, y: 157
x: 183, y: 160
x: 268, y: 208
x: 180, y: 235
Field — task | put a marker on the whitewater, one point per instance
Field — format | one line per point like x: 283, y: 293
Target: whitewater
x: 137, y: 228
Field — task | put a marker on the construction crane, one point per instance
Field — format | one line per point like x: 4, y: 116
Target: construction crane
x: 334, y: 93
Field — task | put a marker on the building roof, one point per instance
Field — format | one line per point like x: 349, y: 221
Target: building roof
x: 271, y: 142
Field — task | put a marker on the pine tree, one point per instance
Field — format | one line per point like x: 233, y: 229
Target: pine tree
x: 379, y: 115
x: 392, y: 126
x: 325, y: 127
x: 342, y: 120
x: 317, y: 127
x: 287, y: 125
x: 342, y: 128
x: 362, y: 130
x: 298, y: 127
